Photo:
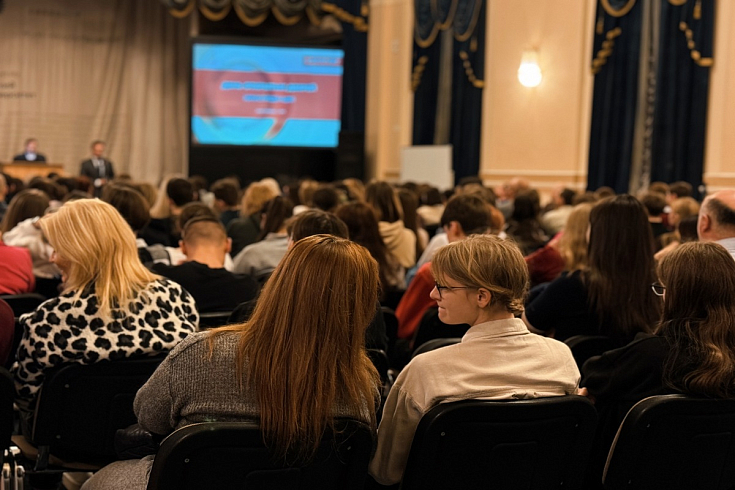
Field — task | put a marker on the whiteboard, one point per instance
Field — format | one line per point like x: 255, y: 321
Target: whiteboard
x: 430, y: 164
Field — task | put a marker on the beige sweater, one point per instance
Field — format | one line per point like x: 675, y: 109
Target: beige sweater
x: 400, y: 241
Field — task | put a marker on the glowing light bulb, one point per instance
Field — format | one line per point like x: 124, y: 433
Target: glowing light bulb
x: 529, y: 73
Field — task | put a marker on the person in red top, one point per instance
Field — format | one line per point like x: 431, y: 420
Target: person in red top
x: 16, y: 270
x: 463, y: 215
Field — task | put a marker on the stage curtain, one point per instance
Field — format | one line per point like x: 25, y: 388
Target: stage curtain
x: 466, y: 19
x: 685, y: 58
x: 354, y: 43
x: 467, y: 84
x: 616, y: 53
x: 74, y: 72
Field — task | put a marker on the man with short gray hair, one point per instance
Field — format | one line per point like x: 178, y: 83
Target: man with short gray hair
x: 716, y: 221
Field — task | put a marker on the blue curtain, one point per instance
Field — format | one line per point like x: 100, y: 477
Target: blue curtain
x: 354, y: 42
x: 685, y: 57
x: 467, y: 19
x: 615, y: 64
x: 469, y: 67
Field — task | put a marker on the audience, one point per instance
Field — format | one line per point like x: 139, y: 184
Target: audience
x: 245, y: 229
x: 225, y: 193
x: 611, y: 296
x: 111, y: 307
x: 480, y: 281
x: 400, y: 241
x: 20, y: 229
x: 717, y: 220
x: 326, y: 198
x: 363, y: 227
x: 554, y: 220
x: 205, y: 244
x: 692, y: 352
x: 165, y: 230
x: 524, y: 226
x: 259, y: 259
x: 292, y: 368
x: 432, y: 207
x: 655, y: 204
x: 16, y: 270
x: 463, y: 216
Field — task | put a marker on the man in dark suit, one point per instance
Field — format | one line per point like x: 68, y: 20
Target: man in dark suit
x: 30, y: 155
x: 97, y: 169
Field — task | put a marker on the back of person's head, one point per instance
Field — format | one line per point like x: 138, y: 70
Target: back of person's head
x: 199, y: 183
x: 470, y: 179
x: 588, y: 196
x: 470, y: 211
x: 681, y: 189
x: 698, y: 319
x: 567, y: 196
x: 49, y: 187
x: 276, y: 212
x: 355, y: 188
x: 684, y: 207
x: 130, y: 203
x: 316, y: 222
x: 621, y: 266
x: 194, y: 210
x: 431, y: 197
x: 304, y: 346
x: 306, y: 191
x: 362, y: 226
x: 180, y: 191
x: 382, y: 197
x: 659, y: 187
x: 654, y: 203
x: 573, y: 242
x: 526, y: 206
x: 325, y: 197
x: 719, y: 209
x: 3, y: 186
x: 687, y: 229
x: 100, y: 246
x: 203, y: 231
x: 226, y: 190
x: 486, y: 193
x: 254, y: 197
x: 148, y: 190
x: 603, y: 192
x: 488, y: 262
x: 409, y: 204
x: 29, y: 203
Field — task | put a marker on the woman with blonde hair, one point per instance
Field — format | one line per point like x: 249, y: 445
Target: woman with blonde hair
x: 573, y: 243
x: 298, y: 363
x: 111, y: 307
x: 480, y: 281
x: 692, y: 351
x: 245, y: 229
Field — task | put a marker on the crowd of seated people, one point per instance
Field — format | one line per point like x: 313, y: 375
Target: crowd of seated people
x: 317, y: 260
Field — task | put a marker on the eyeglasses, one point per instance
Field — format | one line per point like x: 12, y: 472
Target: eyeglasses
x: 658, y: 288
x: 439, y: 288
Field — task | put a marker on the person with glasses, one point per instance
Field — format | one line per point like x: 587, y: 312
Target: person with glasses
x: 692, y: 351
x: 480, y: 281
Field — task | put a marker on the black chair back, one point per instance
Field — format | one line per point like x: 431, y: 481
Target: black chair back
x: 23, y: 303
x: 213, y: 319
x: 434, y: 344
x: 7, y: 394
x: 233, y: 455
x: 522, y: 444
x: 585, y: 346
x: 674, y: 442
x: 80, y: 407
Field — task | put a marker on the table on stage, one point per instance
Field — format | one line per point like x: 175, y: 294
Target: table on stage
x: 27, y: 170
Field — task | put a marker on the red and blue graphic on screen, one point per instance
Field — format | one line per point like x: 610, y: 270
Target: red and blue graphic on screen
x: 266, y: 95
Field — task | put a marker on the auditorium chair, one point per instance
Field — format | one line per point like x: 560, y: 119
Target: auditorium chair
x: 213, y: 319
x: 80, y: 407
x: 23, y: 303
x: 233, y: 455
x: 585, y: 346
x: 430, y: 328
x: 675, y: 442
x: 7, y: 394
x: 530, y: 444
x: 435, y: 344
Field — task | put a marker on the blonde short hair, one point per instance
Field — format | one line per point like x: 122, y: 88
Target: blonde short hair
x: 101, y: 249
x: 488, y: 262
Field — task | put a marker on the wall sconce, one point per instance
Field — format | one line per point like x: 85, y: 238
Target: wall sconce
x: 529, y: 73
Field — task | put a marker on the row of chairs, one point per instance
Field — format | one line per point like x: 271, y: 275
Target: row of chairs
x: 671, y: 441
